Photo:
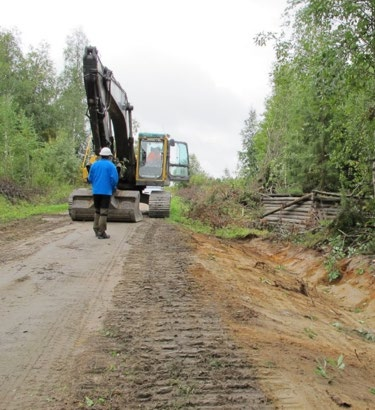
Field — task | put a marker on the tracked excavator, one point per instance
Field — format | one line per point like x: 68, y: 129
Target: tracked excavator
x: 154, y: 161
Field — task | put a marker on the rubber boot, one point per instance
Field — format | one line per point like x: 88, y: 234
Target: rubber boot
x: 103, y: 224
x: 96, y: 222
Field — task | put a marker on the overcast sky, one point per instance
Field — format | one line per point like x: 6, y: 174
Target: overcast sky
x: 189, y: 67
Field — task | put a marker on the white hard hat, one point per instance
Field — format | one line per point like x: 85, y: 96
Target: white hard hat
x: 105, y: 152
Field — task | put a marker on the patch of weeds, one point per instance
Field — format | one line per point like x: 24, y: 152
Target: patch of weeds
x: 368, y: 247
x: 337, y: 253
x: 339, y: 363
x: 265, y: 280
x: 185, y: 389
x: 313, y: 240
x: 216, y: 363
x: 321, y: 368
x: 112, y: 367
x: 323, y: 365
x: 115, y: 354
x: 338, y: 326
x: 109, y: 332
x: 361, y: 321
x: 365, y: 334
x: 239, y: 233
x: 91, y: 403
x: 332, y: 269
x: 310, y: 333
x: 360, y: 271
x: 372, y: 390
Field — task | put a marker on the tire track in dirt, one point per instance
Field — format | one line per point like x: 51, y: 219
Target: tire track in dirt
x: 186, y: 324
x: 166, y: 347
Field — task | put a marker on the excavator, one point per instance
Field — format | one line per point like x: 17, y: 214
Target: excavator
x: 153, y: 161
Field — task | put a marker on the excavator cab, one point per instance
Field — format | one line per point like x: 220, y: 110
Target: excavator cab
x: 160, y: 161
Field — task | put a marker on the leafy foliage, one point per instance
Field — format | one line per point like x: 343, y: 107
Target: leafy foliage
x: 318, y: 131
x: 247, y: 157
x: 71, y: 101
x: 41, y: 114
x: 220, y: 205
x: 18, y: 141
x: 325, y: 364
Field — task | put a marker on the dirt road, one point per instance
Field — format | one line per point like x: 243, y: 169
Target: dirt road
x: 159, y: 318
x: 55, y: 283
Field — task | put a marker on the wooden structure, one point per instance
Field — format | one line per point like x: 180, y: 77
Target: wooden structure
x: 303, y: 211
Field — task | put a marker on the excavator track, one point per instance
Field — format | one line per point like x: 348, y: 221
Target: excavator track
x: 159, y: 204
x: 124, y: 206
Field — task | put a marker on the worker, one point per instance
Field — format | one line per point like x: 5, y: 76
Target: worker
x: 154, y: 157
x: 103, y: 176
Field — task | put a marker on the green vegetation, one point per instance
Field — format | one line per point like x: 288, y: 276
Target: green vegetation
x: 318, y: 129
x: 24, y: 210
x: 323, y: 366
x: 42, y: 126
x: 337, y: 253
x: 310, y: 333
x: 216, y: 207
x: 51, y: 202
x: 91, y: 403
x: 366, y: 335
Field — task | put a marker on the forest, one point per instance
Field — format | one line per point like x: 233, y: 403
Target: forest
x: 42, y: 116
x: 317, y: 130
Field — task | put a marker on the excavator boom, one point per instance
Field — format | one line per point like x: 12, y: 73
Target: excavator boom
x: 109, y: 113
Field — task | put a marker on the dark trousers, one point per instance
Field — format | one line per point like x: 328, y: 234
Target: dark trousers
x: 101, y: 201
x: 101, y: 204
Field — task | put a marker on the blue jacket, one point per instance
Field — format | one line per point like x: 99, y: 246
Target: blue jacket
x: 103, y: 176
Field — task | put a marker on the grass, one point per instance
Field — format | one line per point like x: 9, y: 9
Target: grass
x: 22, y: 210
x: 177, y: 215
x: 51, y: 203
x: 179, y: 210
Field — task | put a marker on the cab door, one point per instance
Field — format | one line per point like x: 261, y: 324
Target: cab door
x: 178, y: 169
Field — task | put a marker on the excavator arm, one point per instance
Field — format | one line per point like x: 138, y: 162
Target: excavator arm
x: 110, y: 115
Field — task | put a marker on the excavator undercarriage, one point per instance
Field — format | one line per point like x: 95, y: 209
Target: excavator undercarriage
x: 159, y: 204
x: 124, y: 205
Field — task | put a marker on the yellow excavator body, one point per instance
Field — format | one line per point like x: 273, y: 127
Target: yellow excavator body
x: 158, y: 159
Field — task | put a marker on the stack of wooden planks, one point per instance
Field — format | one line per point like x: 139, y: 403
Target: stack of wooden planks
x: 305, y: 211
